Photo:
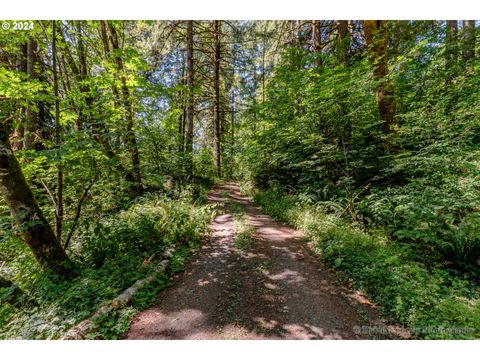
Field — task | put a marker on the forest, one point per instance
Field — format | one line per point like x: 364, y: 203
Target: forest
x: 363, y: 136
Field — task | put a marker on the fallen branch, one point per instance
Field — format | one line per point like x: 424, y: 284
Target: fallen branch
x: 79, y: 331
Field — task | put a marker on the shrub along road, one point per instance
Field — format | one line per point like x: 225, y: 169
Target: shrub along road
x: 273, y: 289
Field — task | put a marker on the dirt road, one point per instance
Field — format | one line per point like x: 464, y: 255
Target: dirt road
x: 275, y: 289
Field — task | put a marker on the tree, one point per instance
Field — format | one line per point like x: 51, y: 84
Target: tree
x: 317, y: 42
x: 468, y: 35
x: 127, y: 100
x: 451, y: 39
x: 216, y: 97
x: 88, y: 112
x: 189, y: 113
x: 343, y: 41
x: 375, y: 32
x: 59, y: 208
x: 31, y: 224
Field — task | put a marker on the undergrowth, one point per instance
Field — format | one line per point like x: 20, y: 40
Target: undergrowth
x: 111, y: 255
x: 433, y: 302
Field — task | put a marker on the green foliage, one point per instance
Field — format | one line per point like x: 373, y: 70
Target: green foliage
x: 247, y: 188
x: 319, y: 136
x: 243, y: 231
x: 112, y: 254
x: 113, y: 324
x: 147, y: 227
x: 234, y: 207
x: 243, y: 239
x: 435, y: 212
x: 179, y: 258
x: 407, y: 291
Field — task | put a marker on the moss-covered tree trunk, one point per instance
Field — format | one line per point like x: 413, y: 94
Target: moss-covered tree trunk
x: 31, y: 224
x: 375, y: 32
x: 59, y: 211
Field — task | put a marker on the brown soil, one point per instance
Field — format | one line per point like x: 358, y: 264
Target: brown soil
x: 275, y: 289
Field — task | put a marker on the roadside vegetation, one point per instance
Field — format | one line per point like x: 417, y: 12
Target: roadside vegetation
x: 114, y: 252
x: 433, y: 302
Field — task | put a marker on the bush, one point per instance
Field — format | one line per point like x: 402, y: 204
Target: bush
x: 112, y: 254
x: 408, y: 292
x: 435, y: 211
x: 147, y: 227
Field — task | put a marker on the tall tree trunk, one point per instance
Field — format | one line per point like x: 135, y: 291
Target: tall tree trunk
x: 451, y: 45
x: 343, y: 44
x: 232, y: 130
x: 263, y: 65
x: 183, y: 103
x: 106, y: 48
x: 216, y: 98
x: 131, y: 139
x: 295, y: 32
x: 59, y: 209
x: 190, y: 100
x: 181, y: 130
x: 468, y: 35
x: 104, y: 36
x: 292, y: 32
x: 32, y: 226
x: 375, y: 32
x: 317, y: 42
x: 31, y: 113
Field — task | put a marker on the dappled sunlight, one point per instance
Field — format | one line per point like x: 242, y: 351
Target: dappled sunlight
x: 288, y: 276
x: 272, y: 290
x: 202, y: 282
x: 222, y: 219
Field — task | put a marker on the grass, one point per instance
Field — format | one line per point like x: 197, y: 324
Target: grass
x: 234, y: 207
x: 244, y: 239
x: 433, y: 303
x: 244, y: 232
